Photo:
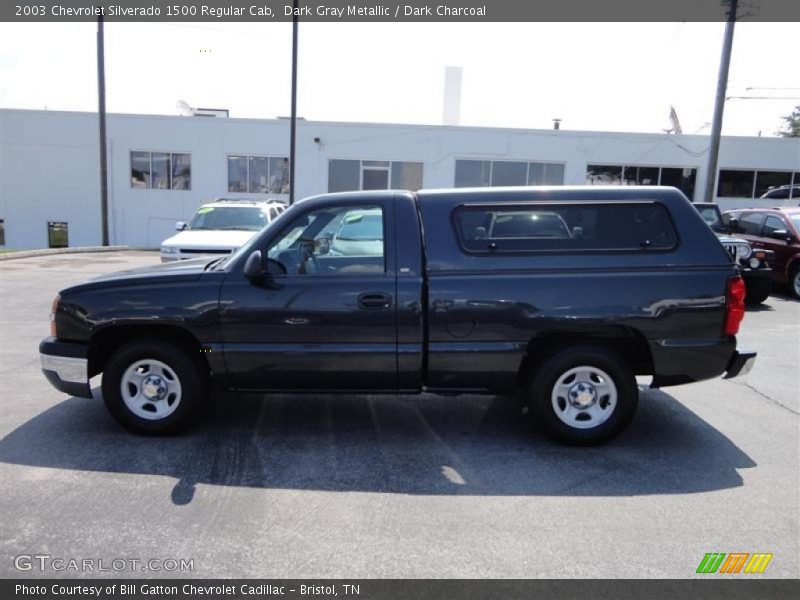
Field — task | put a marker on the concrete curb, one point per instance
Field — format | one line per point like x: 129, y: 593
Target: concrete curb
x: 48, y: 251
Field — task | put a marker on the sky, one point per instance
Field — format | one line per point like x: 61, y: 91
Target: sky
x: 593, y: 76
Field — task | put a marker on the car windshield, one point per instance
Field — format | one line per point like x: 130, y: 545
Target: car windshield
x: 361, y: 227
x: 245, y: 218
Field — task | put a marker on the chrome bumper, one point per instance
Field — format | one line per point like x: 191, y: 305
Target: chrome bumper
x: 66, y: 366
x: 71, y: 370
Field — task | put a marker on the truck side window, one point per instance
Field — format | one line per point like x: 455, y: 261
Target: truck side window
x: 577, y: 226
x: 346, y: 240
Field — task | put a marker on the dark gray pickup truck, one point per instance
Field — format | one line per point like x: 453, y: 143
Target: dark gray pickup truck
x: 567, y: 292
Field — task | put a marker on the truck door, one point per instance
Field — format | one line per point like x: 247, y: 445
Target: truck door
x: 323, y: 317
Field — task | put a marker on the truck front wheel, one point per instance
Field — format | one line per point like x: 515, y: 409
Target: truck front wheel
x: 153, y: 387
x: 584, y: 395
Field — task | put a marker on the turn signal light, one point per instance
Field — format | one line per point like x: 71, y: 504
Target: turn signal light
x: 734, y: 305
x: 53, y: 310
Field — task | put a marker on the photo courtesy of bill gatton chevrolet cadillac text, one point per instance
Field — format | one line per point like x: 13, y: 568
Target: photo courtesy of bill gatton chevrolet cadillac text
x: 567, y: 293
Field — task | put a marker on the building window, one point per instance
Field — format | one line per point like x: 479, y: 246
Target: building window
x: 683, y: 178
x: 545, y: 173
x: 500, y: 173
x: 258, y: 174
x: 375, y: 174
x: 604, y: 175
x: 161, y: 170
x: 735, y: 184
x: 473, y: 173
x: 768, y: 180
x: 353, y: 175
x: 57, y: 234
x: 640, y: 175
x: 181, y: 172
x: 777, y: 185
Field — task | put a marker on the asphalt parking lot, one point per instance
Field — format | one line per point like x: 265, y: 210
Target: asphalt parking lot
x: 417, y: 487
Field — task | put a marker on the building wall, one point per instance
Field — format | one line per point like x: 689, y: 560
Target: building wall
x: 48, y: 172
x: 49, y: 163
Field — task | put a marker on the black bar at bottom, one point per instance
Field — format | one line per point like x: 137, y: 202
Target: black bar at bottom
x: 710, y: 587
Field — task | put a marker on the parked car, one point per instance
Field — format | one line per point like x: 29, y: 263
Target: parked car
x: 776, y: 229
x: 783, y: 192
x: 438, y: 307
x: 219, y: 227
x: 754, y: 265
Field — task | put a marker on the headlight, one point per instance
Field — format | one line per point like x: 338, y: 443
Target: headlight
x: 169, y: 250
x: 754, y: 263
x: 744, y: 251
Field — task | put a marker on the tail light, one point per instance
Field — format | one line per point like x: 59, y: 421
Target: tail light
x: 734, y: 305
x: 53, y: 310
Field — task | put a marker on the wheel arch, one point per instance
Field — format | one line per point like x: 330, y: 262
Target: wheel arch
x: 627, y: 342
x: 108, y: 340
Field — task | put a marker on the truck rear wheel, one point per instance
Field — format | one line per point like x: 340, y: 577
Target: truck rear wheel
x: 584, y: 395
x: 154, y: 387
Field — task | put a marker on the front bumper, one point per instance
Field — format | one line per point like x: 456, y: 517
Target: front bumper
x: 740, y: 364
x: 66, y: 366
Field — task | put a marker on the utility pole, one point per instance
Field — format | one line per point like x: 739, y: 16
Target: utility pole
x: 101, y: 113
x: 719, y: 104
x: 293, y: 125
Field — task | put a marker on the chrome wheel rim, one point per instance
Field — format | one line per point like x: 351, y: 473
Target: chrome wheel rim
x: 584, y: 397
x: 150, y: 389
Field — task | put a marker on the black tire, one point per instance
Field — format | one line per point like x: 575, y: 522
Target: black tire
x: 541, y: 401
x: 757, y: 289
x: 794, y: 282
x: 190, y: 372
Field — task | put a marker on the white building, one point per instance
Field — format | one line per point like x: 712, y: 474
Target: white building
x: 161, y: 168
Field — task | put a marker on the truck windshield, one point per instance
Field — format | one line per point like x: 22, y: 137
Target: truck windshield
x: 244, y: 218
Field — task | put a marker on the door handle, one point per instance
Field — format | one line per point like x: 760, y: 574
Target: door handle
x: 374, y: 300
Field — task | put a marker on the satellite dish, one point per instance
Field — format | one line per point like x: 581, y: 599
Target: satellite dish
x: 673, y: 118
x: 183, y: 108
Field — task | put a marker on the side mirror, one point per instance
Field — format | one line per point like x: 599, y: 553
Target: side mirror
x: 480, y: 233
x: 180, y: 226
x: 733, y: 224
x: 252, y: 267
x: 781, y: 234
x: 577, y: 232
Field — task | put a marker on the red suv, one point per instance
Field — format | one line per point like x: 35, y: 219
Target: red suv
x: 776, y: 229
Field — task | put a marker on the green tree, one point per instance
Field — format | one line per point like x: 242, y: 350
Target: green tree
x: 791, y: 126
